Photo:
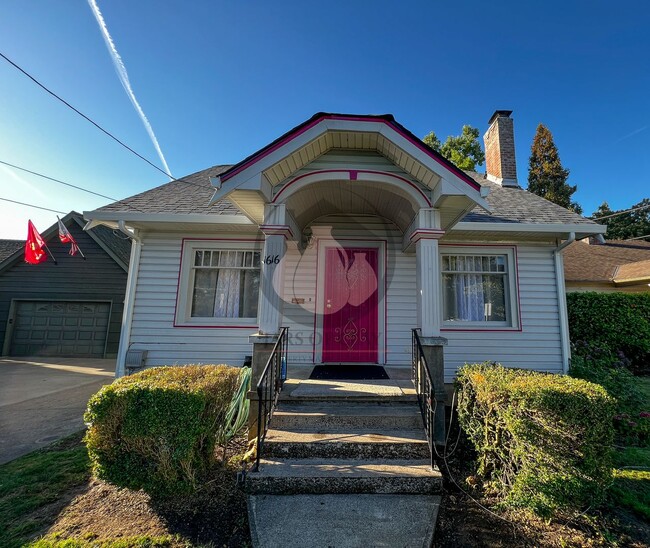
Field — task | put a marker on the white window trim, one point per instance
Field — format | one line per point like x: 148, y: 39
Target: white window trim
x: 183, y: 315
x: 512, y: 289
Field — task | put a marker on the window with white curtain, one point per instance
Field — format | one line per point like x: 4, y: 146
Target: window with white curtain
x: 224, y: 283
x: 478, y: 289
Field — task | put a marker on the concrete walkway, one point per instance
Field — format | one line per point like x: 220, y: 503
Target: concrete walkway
x: 43, y: 399
x: 343, y: 521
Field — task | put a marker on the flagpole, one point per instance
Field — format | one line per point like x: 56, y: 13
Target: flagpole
x: 48, y: 250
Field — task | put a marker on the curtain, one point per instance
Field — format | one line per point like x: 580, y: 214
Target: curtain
x: 226, y: 302
x: 470, y: 297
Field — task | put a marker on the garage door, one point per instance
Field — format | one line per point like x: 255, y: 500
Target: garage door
x: 70, y: 329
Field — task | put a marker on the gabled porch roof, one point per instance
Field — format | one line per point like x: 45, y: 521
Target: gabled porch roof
x: 260, y: 178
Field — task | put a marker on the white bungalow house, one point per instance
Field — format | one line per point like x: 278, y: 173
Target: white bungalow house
x: 351, y: 232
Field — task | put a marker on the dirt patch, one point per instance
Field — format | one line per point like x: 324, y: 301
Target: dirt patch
x: 107, y: 511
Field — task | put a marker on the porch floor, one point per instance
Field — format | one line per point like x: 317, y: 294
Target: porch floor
x: 298, y: 386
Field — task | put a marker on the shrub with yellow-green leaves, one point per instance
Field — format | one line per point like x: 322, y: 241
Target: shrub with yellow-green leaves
x: 157, y: 430
x: 543, y: 440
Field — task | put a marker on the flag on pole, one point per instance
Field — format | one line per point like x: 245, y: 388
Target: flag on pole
x: 66, y: 237
x: 34, y: 247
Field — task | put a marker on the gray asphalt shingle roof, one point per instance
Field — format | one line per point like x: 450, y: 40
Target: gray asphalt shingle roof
x: 9, y: 247
x: 516, y: 205
x: 191, y: 195
x: 509, y: 205
x: 119, y: 244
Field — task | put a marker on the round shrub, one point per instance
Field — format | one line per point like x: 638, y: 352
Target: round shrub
x: 157, y: 430
x: 543, y: 440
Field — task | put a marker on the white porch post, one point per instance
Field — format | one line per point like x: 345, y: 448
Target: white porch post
x: 428, y: 287
x: 278, y: 227
x: 270, y: 306
x: 424, y: 232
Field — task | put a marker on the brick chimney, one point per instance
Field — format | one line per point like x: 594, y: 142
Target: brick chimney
x: 499, y: 139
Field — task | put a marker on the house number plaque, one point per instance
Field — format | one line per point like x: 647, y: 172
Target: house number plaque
x: 272, y: 259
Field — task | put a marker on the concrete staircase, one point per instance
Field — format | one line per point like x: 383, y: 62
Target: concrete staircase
x: 346, y: 441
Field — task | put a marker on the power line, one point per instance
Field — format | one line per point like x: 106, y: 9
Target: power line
x: 638, y: 238
x: 97, y: 125
x: 48, y: 90
x: 619, y: 213
x: 58, y: 181
x: 32, y: 205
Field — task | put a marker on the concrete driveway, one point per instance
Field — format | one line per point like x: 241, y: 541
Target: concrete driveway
x: 43, y: 399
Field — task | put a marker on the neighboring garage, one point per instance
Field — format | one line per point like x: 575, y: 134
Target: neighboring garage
x: 60, y: 328
x: 69, y: 309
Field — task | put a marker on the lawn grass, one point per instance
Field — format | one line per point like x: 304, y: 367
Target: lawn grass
x: 30, y: 483
x: 54, y: 541
x: 631, y: 487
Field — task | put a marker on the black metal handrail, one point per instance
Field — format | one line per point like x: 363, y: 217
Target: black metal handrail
x: 424, y: 388
x: 268, y: 388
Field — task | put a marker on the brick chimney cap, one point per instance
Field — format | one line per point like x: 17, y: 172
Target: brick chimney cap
x: 499, y: 114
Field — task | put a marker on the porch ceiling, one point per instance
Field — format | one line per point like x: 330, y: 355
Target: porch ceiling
x: 348, y: 197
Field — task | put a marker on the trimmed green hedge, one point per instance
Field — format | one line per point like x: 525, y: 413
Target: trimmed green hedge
x: 157, y: 430
x: 543, y: 440
x: 614, y: 322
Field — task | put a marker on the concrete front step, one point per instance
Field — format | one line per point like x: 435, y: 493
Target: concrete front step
x: 318, y: 416
x: 338, y: 476
x: 347, y: 444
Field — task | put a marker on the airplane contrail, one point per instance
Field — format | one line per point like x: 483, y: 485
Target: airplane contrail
x: 124, y: 78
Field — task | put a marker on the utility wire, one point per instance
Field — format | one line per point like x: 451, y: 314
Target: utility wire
x: 44, y: 87
x: 32, y: 205
x: 48, y: 90
x: 638, y: 238
x: 619, y: 213
x: 57, y: 180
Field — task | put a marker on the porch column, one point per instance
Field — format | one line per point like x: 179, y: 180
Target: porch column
x: 428, y: 286
x: 270, y: 304
x: 429, y: 311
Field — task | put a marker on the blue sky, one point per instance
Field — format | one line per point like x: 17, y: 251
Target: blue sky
x: 219, y: 80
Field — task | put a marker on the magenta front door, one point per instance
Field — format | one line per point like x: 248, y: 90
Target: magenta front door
x: 350, y: 312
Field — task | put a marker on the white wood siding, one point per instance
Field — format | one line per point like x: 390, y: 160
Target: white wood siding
x: 537, y: 346
x: 155, y: 304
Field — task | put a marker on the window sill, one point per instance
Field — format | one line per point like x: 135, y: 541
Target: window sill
x: 479, y: 327
x: 241, y: 323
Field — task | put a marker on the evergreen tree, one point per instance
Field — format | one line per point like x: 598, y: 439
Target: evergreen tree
x: 546, y: 176
x: 626, y: 225
x: 463, y: 150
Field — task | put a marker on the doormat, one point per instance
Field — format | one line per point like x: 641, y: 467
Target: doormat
x: 349, y: 372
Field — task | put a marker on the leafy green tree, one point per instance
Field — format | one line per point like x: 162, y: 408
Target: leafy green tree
x: 631, y: 224
x: 463, y: 150
x: 546, y: 175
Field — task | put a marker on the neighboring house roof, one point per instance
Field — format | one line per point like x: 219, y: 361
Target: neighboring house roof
x: 116, y: 246
x: 188, y: 195
x: 9, y: 247
x: 516, y: 205
x: 633, y: 272
x: 615, y: 261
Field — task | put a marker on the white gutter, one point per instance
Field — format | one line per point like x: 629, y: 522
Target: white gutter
x: 548, y: 228
x: 127, y: 316
x: 561, y: 301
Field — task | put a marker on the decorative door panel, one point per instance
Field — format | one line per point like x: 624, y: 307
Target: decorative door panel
x: 350, y: 311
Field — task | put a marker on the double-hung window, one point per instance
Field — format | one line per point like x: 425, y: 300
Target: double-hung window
x: 479, y: 289
x: 219, y: 285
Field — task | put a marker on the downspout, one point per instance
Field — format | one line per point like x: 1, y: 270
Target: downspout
x: 129, y: 298
x: 561, y: 300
